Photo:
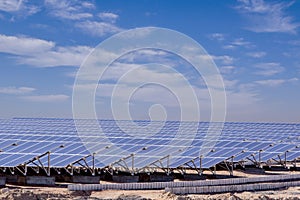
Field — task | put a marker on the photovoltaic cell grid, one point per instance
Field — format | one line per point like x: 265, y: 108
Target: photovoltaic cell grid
x: 21, y: 139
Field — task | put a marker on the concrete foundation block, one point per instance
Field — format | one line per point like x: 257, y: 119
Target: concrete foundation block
x: 192, y: 177
x: 40, y: 180
x: 16, y: 179
x: 161, y: 178
x: 254, y: 170
x: 2, y: 181
x: 78, y: 179
x: 125, y: 179
x: 86, y: 179
x: 64, y: 178
x: 12, y: 179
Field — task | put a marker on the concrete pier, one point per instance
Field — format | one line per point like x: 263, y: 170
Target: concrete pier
x: 78, y: 179
x: 2, y: 181
x: 125, y: 179
x: 30, y: 180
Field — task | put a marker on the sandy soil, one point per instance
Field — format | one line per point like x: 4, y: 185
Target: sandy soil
x: 27, y: 193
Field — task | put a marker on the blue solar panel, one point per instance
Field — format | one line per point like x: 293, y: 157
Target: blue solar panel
x: 292, y: 155
x: 35, y: 136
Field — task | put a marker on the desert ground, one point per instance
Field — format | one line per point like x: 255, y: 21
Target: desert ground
x: 11, y: 192
x: 35, y: 193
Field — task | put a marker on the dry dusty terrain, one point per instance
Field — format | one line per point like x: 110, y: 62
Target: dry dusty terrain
x: 28, y: 193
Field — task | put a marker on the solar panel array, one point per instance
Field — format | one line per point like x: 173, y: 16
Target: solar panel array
x: 22, y: 139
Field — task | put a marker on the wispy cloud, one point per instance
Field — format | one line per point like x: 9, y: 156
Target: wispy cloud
x: 229, y: 46
x: 238, y: 42
x: 46, y: 98
x: 267, y: 16
x: 227, y: 69
x: 269, y: 69
x: 217, y: 36
x: 42, y: 53
x: 16, y: 90
x: 18, y: 7
x: 258, y: 54
x: 275, y: 82
x: 294, y: 42
x: 97, y: 28
x: 108, y: 16
x: 10, y: 5
x: 82, y: 13
x: 60, y: 56
x: 72, y: 10
x: 225, y: 59
x: 22, y: 45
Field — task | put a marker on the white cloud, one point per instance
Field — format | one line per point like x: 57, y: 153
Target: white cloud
x: 60, y: 56
x: 145, y: 55
x: 46, y: 98
x: 16, y: 90
x: 140, y: 34
x: 89, y: 5
x: 227, y: 69
x: 163, y: 80
x: 217, y: 36
x: 257, y: 54
x: 275, y: 82
x: 240, y: 42
x: 294, y: 42
x: 67, y: 9
x: 96, y: 28
x: 10, y: 5
x: 19, y: 7
x: 42, y: 53
x: 269, y: 69
x: 238, y: 99
x: 267, y: 16
x: 225, y: 59
x: 229, y: 46
x: 107, y: 16
x: 23, y: 45
x: 80, y: 12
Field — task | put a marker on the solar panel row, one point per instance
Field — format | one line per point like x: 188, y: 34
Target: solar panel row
x: 22, y: 139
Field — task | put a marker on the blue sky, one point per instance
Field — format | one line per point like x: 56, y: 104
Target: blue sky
x: 254, y: 43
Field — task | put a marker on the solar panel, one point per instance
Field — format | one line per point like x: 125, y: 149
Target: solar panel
x: 35, y: 136
x: 289, y: 155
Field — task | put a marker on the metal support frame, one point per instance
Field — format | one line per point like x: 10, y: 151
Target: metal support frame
x: 11, y: 170
x: 228, y: 165
x: 83, y: 163
x: 22, y: 168
x: 158, y: 164
x: 214, y: 171
x: 38, y: 164
x: 123, y: 165
x: 241, y: 163
x: 294, y: 163
x: 284, y: 162
x: 3, y: 169
x: 127, y: 164
x: 258, y: 162
x: 281, y: 161
x: 193, y: 166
